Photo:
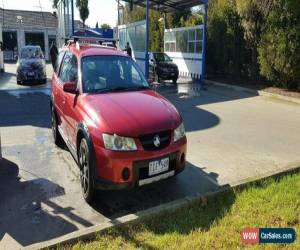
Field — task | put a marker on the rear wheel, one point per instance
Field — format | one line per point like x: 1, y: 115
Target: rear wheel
x: 55, y: 132
x: 174, y: 80
x: 86, y: 180
x: 19, y: 82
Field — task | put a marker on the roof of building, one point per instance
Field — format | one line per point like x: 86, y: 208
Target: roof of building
x: 169, y: 5
x: 27, y: 18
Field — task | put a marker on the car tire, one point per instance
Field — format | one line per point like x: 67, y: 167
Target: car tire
x: 86, y: 179
x: 44, y: 81
x: 19, y: 82
x: 174, y: 80
x: 55, y: 132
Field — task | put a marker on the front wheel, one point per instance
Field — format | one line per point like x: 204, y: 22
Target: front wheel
x: 86, y: 179
x: 174, y: 80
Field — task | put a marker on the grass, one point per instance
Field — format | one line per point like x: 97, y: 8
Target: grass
x: 214, y: 223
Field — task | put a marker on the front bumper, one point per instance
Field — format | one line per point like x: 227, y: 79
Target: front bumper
x: 168, y: 75
x: 110, y: 165
x: 24, y: 75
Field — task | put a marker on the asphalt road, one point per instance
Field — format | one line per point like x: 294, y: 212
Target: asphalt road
x: 231, y: 137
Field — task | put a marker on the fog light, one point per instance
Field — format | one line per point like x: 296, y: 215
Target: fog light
x: 125, y: 174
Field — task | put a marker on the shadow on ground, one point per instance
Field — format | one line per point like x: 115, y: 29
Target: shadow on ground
x: 191, y: 181
x: 21, y: 108
x: 22, y: 200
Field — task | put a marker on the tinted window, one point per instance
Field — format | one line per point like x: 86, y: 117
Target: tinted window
x: 106, y: 73
x: 68, y: 71
x: 162, y: 57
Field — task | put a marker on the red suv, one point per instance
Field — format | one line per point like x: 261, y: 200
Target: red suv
x: 121, y: 133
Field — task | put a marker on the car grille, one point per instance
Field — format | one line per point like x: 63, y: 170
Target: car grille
x: 147, y: 141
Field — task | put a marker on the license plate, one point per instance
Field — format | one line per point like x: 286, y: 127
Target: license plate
x: 30, y: 73
x: 159, y: 166
x: 172, y: 74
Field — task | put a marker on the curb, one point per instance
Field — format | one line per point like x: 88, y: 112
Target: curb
x: 90, y: 233
x: 256, y: 92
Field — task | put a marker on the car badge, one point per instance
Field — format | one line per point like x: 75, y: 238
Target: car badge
x: 156, y: 141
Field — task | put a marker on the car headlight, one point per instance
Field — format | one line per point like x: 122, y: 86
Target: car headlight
x: 179, y: 132
x: 119, y: 143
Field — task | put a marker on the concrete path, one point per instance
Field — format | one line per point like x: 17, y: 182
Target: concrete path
x: 232, y: 137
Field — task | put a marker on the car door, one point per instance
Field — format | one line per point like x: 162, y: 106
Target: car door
x: 63, y: 77
x: 70, y: 102
x: 57, y: 90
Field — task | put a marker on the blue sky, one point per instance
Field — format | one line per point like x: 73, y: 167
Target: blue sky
x: 103, y: 11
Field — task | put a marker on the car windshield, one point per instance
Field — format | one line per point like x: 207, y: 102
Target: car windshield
x: 162, y: 57
x: 111, y: 73
x: 31, y: 53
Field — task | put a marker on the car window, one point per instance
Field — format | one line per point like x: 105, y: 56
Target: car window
x: 162, y: 57
x: 69, y: 68
x: 58, y: 61
x: 110, y: 72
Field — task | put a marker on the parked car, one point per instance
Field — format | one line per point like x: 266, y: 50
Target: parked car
x: 162, y: 67
x: 121, y: 133
x: 31, y: 65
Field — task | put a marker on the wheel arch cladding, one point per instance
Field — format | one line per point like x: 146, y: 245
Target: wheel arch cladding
x: 82, y: 132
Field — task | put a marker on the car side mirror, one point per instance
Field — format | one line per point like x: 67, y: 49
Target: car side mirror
x: 70, y: 87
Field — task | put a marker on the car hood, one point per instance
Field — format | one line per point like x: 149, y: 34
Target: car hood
x: 131, y: 113
x: 167, y: 64
x: 31, y: 63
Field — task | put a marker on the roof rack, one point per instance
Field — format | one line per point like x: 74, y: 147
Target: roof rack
x: 83, y: 40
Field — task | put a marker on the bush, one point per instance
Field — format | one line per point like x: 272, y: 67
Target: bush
x: 226, y: 53
x: 279, y: 49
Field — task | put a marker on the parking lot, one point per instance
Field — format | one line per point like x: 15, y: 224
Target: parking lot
x: 232, y: 137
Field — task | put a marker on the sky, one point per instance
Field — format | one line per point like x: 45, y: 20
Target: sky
x: 102, y: 11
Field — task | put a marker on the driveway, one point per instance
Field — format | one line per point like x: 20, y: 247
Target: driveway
x: 232, y: 137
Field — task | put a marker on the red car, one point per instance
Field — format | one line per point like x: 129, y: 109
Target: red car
x: 121, y: 133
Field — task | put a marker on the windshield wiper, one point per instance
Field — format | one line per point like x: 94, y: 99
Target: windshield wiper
x: 139, y: 88
x: 120, y: 88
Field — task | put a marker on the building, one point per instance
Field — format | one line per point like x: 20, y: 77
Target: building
x: 20, y: 28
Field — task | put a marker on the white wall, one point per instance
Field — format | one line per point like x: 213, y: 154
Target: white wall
x: 189, y: 65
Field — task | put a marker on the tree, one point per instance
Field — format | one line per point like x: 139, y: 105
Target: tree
x: 279, y: 49
x: 226, y: 54
x: 54, y: 3
x: 105, y: 26
x: 83, y: 7
x: 97, y: 25
x: 253, y: 14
